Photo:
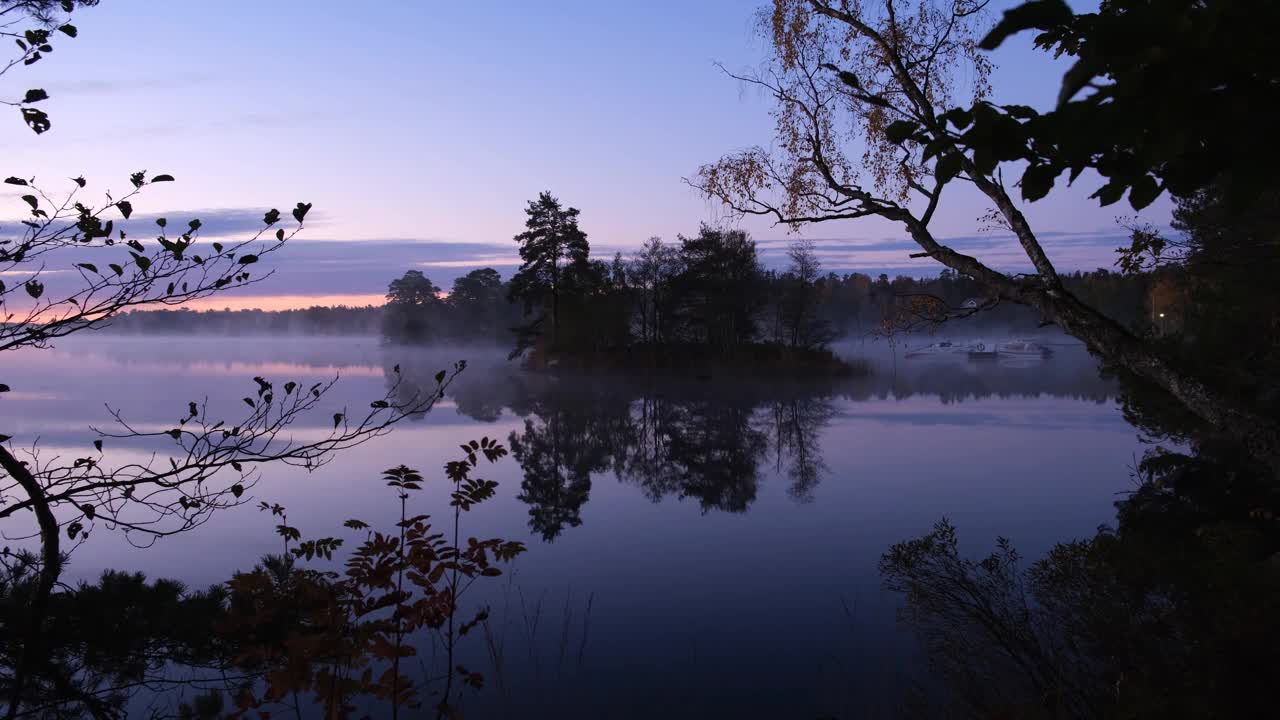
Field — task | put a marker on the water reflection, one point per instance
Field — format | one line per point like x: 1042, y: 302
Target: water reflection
x: 709, y: 441
x: 664, y: 499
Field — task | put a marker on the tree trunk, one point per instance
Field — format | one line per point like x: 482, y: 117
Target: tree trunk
x: 50, y: 567
x: 1258, y: 435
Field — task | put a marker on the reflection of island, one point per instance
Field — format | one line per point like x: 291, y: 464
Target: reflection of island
x: 709, y: 441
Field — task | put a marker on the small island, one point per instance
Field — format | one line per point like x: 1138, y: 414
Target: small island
x: 702, y: 306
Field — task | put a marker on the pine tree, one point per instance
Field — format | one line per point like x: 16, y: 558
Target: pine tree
x: 551, y: 246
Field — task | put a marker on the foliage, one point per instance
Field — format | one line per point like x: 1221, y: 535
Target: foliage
x: 1161, y: 95
x: 112, y: 640
x: 1217, y: 305
x: 409, y: 301
x: 477, y: 309
x: 552, y: 250
x: 340, y: 637
x: 885, y: 77
x: 1165, y: 616
x: 214, y: 461
x: 315, y: 320
x: 48, y: 20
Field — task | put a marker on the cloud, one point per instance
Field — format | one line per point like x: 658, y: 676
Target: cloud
x: 214, y: 222
x: 313, y: 268
x: 116, y: 86
x: 1070, y: 251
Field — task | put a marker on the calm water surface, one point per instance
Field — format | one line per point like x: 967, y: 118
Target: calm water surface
x: 696, y: 548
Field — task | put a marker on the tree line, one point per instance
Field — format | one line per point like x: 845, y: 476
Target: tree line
x: 708, y: 291
x: 851, y: 304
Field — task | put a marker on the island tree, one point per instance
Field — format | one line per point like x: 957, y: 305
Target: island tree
x: 551, y: 247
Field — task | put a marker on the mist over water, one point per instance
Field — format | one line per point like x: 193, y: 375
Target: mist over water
x: 724, y: 532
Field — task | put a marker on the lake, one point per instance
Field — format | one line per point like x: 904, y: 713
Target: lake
x: 696, y: 548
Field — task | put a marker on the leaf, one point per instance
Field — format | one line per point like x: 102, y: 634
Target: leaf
x: 271, y: 217
x: 1144, y: 191
x: 440, y: 377
x: 161, y: 222
x: 1109, y: 193
x: 116, y: 269
x: 98, y: 445
x: 88, y: 510
x: 248, y: 259
x: 899, y: 130
x: 34, y: 289
x: 78, y: 180
x: 126, y: 208
x: 138, y: 178
x: 31, y: 200
x: 69, y: 30
x: 162, y: 178
x: 37, y: 120
x: 35, y: 95
x: 1075, y: 79
x: 947, y: 167
x: 4, y: 388
x: 15, y: 180
x: 88, y: 266
x: 1021, y: 112
x: 379, y: 404
x: 237, y: 489
x: 301, y: 211
x: 337, y: 418
x: 74, y: 529
x: 1039, y: 14
x: 1037, y: 181
x: 959, y: 117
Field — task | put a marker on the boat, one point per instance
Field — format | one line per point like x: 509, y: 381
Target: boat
x: 944, y: 348
x: 982, y: 351
x: 1023, y: 349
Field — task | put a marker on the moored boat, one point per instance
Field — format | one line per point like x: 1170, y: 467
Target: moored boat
x: 944, y: 348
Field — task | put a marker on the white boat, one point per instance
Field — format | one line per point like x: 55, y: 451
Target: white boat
x: 944, y: 348
x: 1023, y: 349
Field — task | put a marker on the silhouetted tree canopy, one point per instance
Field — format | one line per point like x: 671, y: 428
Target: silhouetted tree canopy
x: 870, y: 121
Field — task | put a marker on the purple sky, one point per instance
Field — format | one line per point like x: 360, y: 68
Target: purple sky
x: 420, y: 131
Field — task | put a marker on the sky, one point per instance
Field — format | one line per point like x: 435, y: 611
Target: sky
x: 419, y: 131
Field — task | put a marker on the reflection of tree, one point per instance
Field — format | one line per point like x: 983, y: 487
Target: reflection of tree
x: 1169, y: 615
x: 108, y: 641
x: 797, y: 423
x: 698, y: 441
x: 702, y: 440
x: 715, y: 451
x: 557, y: 474
x: 568, y: 434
